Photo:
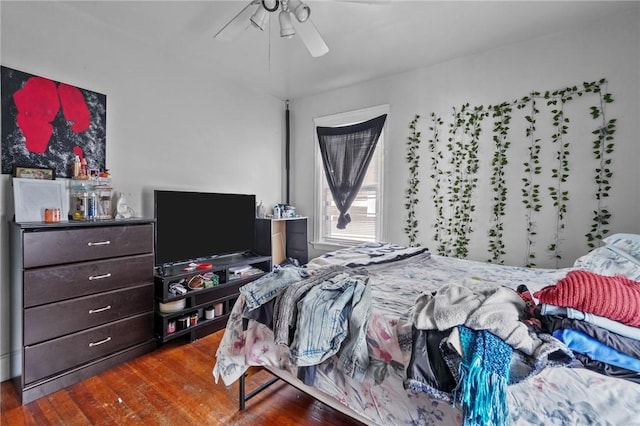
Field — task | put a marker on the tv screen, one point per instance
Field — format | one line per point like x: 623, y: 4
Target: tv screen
x: 197, y: 225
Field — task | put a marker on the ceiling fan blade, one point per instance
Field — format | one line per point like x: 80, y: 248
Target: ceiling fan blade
x: 311, y: 38
x: 239, y: 23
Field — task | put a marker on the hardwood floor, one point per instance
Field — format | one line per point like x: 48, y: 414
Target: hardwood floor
x: 170, y: 386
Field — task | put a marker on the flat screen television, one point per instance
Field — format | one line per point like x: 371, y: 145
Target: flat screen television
x: 199, y: 225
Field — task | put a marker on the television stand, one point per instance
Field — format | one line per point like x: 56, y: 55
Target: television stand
x: 183, y: 315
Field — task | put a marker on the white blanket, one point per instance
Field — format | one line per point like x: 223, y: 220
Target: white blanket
x: 366, y: 254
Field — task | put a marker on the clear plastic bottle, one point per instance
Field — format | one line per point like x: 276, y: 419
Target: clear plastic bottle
x: 84, y: 169
x: 92, y: 205
x: 76, y: 167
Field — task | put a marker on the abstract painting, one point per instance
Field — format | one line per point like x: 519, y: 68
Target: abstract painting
x: 46, y: 123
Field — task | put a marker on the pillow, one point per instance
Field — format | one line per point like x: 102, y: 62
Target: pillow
x: 625, y: 254
x: 628, y: 243
x: 609, y: 261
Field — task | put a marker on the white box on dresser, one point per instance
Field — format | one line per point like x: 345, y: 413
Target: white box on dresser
x: 82, y: 300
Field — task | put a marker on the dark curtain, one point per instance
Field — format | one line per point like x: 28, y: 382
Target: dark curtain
x: 346, y: 154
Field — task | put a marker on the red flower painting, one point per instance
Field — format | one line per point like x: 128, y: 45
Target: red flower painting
x: 46, y: 123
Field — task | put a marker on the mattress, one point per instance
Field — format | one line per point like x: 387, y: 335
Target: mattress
x: 553, y: 396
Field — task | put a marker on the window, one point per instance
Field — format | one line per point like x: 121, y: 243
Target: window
x: 366, y: 209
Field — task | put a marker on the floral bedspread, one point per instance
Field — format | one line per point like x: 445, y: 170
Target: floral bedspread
x: 556, y: 396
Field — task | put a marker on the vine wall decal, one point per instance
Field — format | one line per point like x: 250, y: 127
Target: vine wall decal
x: 602, y: 149
x: 532, y: 167
x: 456, y: 170
x: 413, y: 158
x: 560, y: 172
x: 437, y: 176
x: 501, y: 140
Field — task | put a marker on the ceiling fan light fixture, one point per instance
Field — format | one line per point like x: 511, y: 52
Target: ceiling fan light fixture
x: 270, y: 5
x: 300, y: 10
x: 286, y: 26
x: 259, y: 18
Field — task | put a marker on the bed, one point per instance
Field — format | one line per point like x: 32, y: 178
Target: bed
x: 547, y: 385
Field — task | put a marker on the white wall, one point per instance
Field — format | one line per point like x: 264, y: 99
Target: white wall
x: 168, y: 126
x: 604, y: 49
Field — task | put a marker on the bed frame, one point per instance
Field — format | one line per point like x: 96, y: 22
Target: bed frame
x: 297, y: 383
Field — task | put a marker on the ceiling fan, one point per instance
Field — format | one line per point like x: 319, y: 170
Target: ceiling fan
x: 293, y: 17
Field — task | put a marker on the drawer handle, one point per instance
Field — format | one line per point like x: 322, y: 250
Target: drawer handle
x: 98, y: 243
x: 99, y: 277
x: 100, y: 342
x: 95, y: 311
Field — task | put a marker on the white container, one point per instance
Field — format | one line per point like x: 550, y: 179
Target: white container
x: 218, y: 308
x: 174, y: 306
x: 210, y: 313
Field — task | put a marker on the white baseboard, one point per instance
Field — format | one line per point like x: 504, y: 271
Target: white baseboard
x: 5, y: 367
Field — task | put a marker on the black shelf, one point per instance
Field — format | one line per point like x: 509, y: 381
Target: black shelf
x: 283, y: 239
x: 202, y: 323
x: 224, y: 294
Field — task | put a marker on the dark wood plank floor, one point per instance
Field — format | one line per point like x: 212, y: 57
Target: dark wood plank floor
x: 170, y: 386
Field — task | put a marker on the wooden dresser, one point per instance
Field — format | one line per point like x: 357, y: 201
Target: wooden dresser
x: 82, y: 300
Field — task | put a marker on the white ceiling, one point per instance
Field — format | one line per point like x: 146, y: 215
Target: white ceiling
x: 367, y: 39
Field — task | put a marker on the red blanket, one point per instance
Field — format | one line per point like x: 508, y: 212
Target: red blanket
x: 616, y: 298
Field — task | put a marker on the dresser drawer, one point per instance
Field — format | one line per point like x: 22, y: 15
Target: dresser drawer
x: 57, y: 319
x: 54, y: 247
x: 57, y: 355
x: 51, y: 284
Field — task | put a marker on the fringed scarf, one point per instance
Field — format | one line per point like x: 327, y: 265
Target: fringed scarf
x: 484, y: 375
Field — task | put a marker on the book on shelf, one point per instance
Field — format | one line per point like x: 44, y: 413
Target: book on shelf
x: 239, y: 269
x: 247, y: 273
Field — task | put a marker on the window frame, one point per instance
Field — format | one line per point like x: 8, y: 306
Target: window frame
x: 343, y: 119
